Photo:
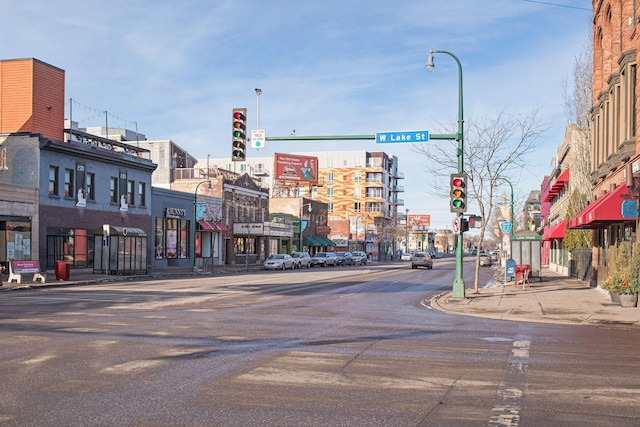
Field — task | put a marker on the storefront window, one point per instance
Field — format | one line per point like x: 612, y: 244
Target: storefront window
x: 15, y: 238
x: 75, y: 245
x: 172, y: 238
x: 159, y: 244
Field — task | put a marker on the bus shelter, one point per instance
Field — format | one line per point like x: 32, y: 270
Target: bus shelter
x: 121, y: 251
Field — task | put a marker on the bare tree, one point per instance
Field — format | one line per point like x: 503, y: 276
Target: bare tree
x: 578, y: 98
x: 494, y: 149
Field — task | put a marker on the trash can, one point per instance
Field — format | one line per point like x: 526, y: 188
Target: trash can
x: 520, y: 272
x: 62, y: 269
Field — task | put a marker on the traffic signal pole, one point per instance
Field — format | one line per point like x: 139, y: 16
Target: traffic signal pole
x: 458, y: 284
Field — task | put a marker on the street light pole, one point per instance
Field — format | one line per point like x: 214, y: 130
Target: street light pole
x: 195, y: 219
x: 258, y: 93
x: 511, y: 219
x: 458, y: 284
x: 406, y: 231
x: 357, y: 220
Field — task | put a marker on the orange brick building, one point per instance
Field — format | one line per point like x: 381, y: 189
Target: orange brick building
x: 31, y: 98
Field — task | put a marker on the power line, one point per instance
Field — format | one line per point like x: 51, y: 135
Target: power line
x: 559, y: 5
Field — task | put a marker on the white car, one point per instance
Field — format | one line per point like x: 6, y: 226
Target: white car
x: 406, y: 257
x: 279, y: 262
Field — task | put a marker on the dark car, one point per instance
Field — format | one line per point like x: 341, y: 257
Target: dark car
x: 344, y: 258
x: 421, y: 259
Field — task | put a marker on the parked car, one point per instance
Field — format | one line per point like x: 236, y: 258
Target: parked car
x: 278, y: 262
x: 406, y: 257
x: 324, y: 259
x: 344, y: 258
x: 485, y: 260
x: 359, y: 257
x: 421, y: 259
x: 494, y: 256
x: 301, y: 260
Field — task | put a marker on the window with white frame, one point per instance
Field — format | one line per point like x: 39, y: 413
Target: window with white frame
x: 329, y: 177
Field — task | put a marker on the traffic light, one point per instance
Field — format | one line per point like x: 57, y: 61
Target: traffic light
x: 464, y: 225
x: 475, y: 221
x: 239, y: 137
x: 458, y: 193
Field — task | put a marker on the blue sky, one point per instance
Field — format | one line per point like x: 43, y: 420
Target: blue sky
x: 325, y: 68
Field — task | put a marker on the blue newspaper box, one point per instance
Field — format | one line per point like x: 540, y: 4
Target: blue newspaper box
x: 510, y: 268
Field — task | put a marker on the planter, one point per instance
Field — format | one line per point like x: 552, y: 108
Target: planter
x: 629, y: 300
x: 615, y: 297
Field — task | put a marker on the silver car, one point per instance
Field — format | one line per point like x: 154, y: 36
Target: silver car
x: 359, y: 257
x: 421, y: 259
x: 278, y: 262
x: 324, y: 259
x: 301, y: 260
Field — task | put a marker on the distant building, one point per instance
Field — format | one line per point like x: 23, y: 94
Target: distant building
x: 361, y: 189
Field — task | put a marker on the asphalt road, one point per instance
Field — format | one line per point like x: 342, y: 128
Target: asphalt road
x: 345, y: 346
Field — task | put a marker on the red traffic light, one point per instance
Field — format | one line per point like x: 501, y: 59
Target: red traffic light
x: 238, y: 115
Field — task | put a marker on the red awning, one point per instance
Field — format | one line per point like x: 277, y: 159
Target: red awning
x: 604, y: 211
x: 213, y: 226
x: 557, y: 186
x: 555, y: 231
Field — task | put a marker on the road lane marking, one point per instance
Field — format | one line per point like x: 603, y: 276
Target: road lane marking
x: 506, y: 412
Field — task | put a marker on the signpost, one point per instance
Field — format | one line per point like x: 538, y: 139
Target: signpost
x: 456, y: 225
x: 402, y: 137
x: 258, y: 138
x: 629, y: 209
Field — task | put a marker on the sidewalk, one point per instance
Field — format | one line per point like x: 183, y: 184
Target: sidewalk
x: 554, y: 299
x: 86, y: 276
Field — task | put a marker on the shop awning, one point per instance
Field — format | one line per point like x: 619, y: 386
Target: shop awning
x: 557, y: 186
x: 604, y: 211
x: 126, y: 231
x: 555, y: 231
x: 213, y: 226
x: 317, y: 241
x: 327, y: 242
x: 310, y: 241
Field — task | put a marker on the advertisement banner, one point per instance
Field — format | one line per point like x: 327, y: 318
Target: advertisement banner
x: 290, y: 167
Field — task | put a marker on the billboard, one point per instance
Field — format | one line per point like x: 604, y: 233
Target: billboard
x: 419, y: 222
x: 290, y: 167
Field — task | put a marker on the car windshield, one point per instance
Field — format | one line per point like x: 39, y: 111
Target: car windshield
x: 419, y: 255
x: 320, y: 255
x: 277, y: 256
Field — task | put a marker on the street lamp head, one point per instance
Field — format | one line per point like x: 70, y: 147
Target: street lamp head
x: 258, y: 91
x: 430, y: 65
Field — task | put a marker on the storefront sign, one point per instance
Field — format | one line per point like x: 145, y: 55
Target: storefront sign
x: 175, y: 213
